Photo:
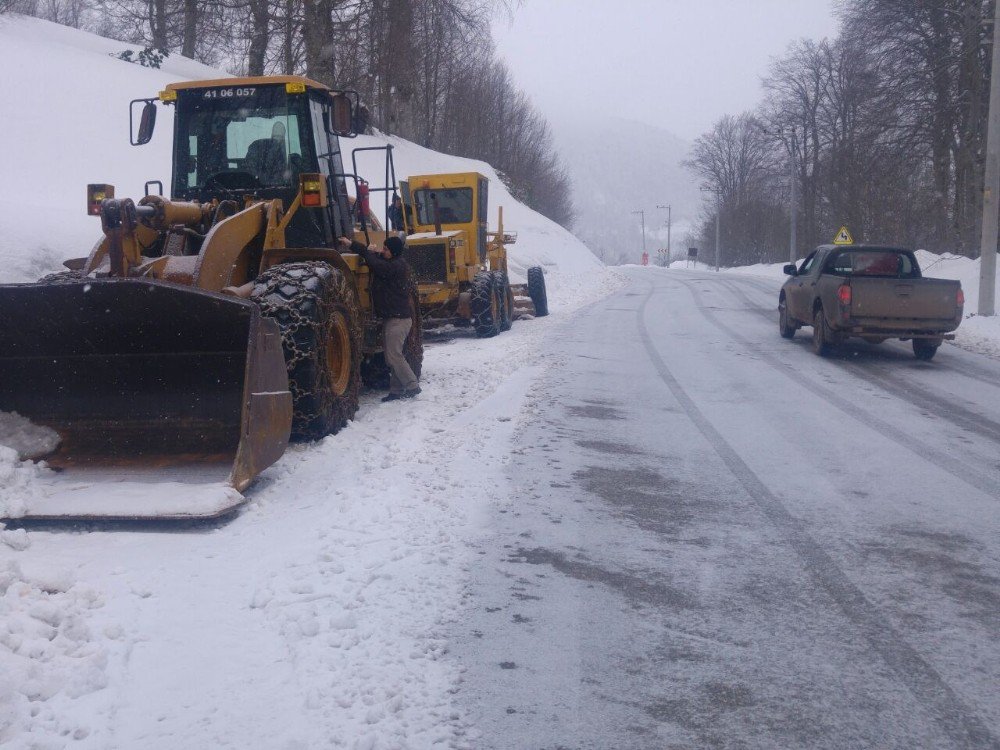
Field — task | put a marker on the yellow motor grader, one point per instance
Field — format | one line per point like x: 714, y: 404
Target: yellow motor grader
x: 204, y: 330
x: 460, y: 266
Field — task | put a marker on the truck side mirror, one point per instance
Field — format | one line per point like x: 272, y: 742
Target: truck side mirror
x: 790, y: 269
x: 342, y: 116
x: 147, y: 122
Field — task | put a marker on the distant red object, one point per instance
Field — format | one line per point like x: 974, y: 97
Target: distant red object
x: 645, y: 259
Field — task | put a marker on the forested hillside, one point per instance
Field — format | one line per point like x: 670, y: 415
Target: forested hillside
x: 882, y: 129
x: 426, y: 69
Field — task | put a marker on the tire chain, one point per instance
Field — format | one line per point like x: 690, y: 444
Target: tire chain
x: 301, y: 298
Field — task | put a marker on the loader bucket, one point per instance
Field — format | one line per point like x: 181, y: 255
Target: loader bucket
x: 167, y: 400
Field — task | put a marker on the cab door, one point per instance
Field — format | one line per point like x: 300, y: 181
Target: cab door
x: 481, y: 216
x: 798, y: 293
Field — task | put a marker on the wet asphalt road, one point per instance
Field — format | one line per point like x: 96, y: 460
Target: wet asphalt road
x: 714, y: 538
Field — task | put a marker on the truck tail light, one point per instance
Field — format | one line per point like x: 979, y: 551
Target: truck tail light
x: 960, y: 298
x: 844, y: 294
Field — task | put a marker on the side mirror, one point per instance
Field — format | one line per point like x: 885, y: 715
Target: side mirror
x: 790, y: 269
x: 342, y: 116
x: 147, y: 122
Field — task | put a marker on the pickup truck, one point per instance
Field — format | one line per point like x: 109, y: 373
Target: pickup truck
x: 868, y: 292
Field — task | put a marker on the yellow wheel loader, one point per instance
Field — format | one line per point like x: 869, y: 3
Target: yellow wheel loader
x: 461, y: 267
x: 175, y: 361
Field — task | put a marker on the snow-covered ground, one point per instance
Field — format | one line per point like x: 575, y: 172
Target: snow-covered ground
x: 314, y: 618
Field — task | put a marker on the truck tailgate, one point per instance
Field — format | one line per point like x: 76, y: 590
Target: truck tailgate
x: 909, y: 299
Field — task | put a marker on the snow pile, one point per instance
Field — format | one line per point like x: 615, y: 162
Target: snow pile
x: 18, y: 482
x: 50, y: 71
x: 316, y: 617
x: 540, y: 241
x: 48, y: 659
x: 28, y: 439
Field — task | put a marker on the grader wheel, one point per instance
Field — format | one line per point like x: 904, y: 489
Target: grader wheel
x: 536, y: 290
x: 506, y: 300
x: 486, y: 305
x: 317, y: 312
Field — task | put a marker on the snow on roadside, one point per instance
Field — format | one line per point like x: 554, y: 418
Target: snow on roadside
x: 316, y: 618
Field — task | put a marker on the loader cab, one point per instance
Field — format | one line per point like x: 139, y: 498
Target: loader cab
x: 251, y: 138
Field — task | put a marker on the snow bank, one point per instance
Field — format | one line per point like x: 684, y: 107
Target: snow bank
x: 18, y: 483
x: 28, y: 439
x: 316, y: 617
x: 540, y: 241
x: 71, y: 97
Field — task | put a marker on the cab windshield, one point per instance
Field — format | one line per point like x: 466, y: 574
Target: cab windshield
x: 239, y: 138
x: 454, y: 205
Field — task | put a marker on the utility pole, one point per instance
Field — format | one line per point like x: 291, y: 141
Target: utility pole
x: 668, y: 230
x: 642, y: 215
x: 991, y: 186
x: 718, y: 212
x: 793, y: 203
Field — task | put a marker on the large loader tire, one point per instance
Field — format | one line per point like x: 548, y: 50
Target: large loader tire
x: 375, y: 370
x: 486, y: 306
x: 316, y: 309
x: 536, y: 290
x: 506, y: 300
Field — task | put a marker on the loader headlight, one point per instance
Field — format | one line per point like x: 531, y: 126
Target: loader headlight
x: 313, y: 189
x: 168, y: 96
x: 295, y: 88
x: 96, y: 194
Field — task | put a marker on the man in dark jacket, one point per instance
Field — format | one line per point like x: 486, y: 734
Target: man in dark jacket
x: 390, y: 290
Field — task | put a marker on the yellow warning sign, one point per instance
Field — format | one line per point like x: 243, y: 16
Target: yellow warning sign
x: 843, y: 237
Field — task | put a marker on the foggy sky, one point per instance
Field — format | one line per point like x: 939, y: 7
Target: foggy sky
x: 676, y: 64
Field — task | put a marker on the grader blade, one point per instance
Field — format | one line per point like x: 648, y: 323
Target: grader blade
x: 167, y: 400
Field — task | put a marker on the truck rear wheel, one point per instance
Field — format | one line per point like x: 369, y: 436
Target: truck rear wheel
x: 925, y: 349
x: 536, y: 290
x: 317, y: 312
x: 486, y: 307
x: 821, y: 341
x: 786, y: 326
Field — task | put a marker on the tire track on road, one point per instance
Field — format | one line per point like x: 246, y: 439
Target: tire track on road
x: 955, y: 718
x: 980, y: 376
x: 917, y: 395
x: 966, y: 473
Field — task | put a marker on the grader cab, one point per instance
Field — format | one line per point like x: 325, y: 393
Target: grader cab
x: 204, y: 330
x: 461, y: 266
